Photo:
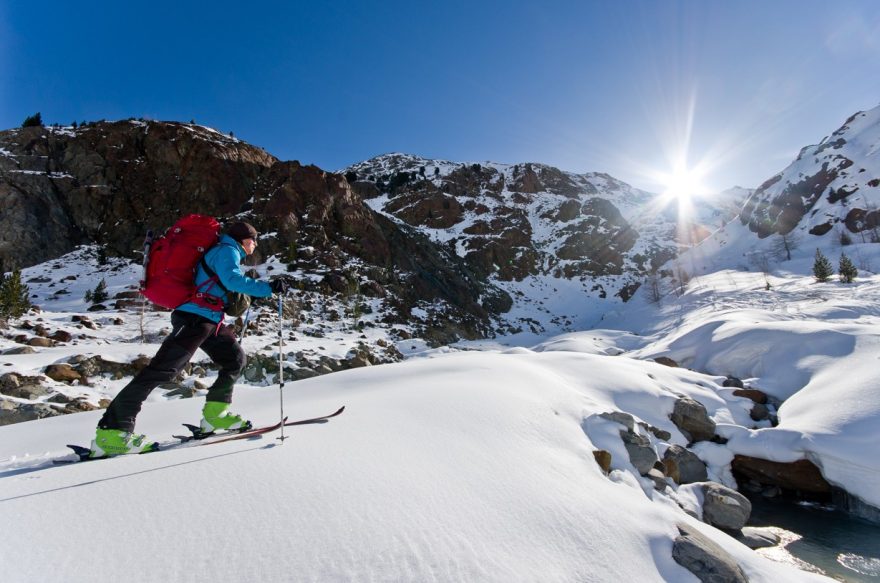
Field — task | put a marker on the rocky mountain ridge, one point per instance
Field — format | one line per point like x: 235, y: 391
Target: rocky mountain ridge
x: 536, y: 231
x: 108, y: 183
x: 831, y: 186
x: 468, y: 251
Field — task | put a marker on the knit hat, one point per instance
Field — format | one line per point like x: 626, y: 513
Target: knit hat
x: 241, y: 231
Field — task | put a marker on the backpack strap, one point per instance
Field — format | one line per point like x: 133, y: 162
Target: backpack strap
x: 212, y: 275
x: 203, y: 298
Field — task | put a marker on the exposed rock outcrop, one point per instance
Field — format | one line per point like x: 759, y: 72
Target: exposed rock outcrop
x: 820, y: 191
x: 109, y: 182
x: 11, y: 412
x: 800, y: 476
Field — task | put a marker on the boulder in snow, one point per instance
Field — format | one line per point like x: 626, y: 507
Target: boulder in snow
x: 753, y: 394
x: 23, y: 387
x: 603, y: 458
x: 641, y: 453
x: 666, y: 361
x: 19, y: 350
x: 40, y: 342
x: 693, y: 420
x: 11, y: 412
x: 624, y: 419
x: 683, y: 465
x: 759, y: 412
x: 658, y: 478
x: 78, y: 406
x: 707, y: 560
x: 63, y: 373
x: 724, y: 507
x: 660, y: 434
x: 178, y: 390
x: 757, y: 538
x: 61, y: 336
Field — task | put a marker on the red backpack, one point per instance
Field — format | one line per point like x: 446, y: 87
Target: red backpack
x: 170, y: 263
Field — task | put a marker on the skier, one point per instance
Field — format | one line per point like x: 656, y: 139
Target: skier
x: 194, y: 326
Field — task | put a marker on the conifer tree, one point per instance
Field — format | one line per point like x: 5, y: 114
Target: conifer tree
x: 33, y: 121
x: 846, y: 270
x: 822, y: 268
x: 14, y: 295
x: 97, y: 295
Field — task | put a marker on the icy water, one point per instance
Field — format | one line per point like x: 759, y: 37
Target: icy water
x: 821, y: 539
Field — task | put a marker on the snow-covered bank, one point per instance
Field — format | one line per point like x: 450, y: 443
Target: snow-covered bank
x: 470, y: 467
x: 813, y: 346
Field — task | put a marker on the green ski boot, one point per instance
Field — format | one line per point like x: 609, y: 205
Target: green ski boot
x: 216, y: 415
x: 110, y: 442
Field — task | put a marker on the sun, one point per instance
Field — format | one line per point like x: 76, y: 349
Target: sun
x: 682, y: 184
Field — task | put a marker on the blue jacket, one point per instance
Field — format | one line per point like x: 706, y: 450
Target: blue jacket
x: 225, y: 259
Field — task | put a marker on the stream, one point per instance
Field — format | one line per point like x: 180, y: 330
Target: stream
x: 821, y: 539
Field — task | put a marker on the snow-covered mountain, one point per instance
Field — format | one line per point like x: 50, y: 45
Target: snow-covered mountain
x: 831, y: 188
x: 564, y: 246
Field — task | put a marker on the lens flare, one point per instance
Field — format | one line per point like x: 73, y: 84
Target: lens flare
x: 683, y: 184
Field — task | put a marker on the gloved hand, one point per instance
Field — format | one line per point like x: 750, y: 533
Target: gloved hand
x: 280, y: 285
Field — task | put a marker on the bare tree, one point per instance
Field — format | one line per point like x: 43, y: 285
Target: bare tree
x: 680, y: 279
x: 784, y: 244
x: 654, y: 287
x: 760, y: 260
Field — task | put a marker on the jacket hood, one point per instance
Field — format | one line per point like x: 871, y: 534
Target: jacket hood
x: 227, y: 240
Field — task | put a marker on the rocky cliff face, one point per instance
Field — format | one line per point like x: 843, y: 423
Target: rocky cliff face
x: 108, y: 183
x: 830, y: 186
x: 530, y: 229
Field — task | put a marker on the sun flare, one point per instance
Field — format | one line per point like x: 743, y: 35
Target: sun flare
x: 683, y: 184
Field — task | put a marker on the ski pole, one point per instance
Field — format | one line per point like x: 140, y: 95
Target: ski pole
x: 281, y: 361
x: 148, y: 244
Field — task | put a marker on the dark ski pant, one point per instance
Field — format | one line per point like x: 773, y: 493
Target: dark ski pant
x: 189, y: 333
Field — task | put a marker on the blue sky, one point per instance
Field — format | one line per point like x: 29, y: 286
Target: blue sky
x: 626, y: 87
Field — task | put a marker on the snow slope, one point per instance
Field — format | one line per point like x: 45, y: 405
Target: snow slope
x: 455, y: 467
x: 812, y: 345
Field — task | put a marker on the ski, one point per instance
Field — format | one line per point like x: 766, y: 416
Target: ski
x: 232, y: 435
x: 83, y: 453
x: 322, y: 419
x: 198, y: 435
x: 200, y: 438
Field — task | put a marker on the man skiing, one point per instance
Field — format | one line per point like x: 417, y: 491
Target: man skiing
x: 194, y: 325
